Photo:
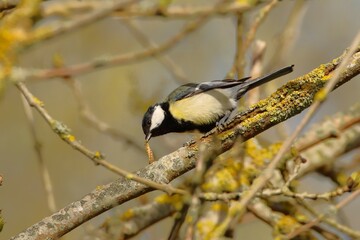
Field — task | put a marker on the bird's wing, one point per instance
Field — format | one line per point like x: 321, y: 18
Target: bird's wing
x: 191, y: 89
x: 180, y: 92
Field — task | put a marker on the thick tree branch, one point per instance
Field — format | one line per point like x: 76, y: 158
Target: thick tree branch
x: 289, y: 100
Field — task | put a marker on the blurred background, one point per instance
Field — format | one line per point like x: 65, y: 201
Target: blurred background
x: 119, y: 95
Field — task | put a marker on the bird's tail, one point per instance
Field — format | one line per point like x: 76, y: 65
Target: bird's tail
x: 253, y: 83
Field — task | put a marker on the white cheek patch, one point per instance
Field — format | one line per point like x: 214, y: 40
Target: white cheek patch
x: 157, y: 117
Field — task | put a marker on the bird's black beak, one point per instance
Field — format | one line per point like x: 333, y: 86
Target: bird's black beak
x: 147, y: 137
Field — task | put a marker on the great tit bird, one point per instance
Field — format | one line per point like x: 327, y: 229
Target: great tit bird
x: 200, y: 106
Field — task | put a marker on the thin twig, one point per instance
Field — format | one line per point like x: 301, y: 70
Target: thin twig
x: 64, y: 133
x: 172, y: 11
x: 177, y: 11
x: 69, y: 8
x: 332, y: 134
x: 263, y: 13
x: 299, y: 160
x: 288, y: 36
x: 46, y: 180
x: 243, y: 45
x: 332, y: 222
x: 209, y: 196
x: 317, y: 220
x: 237, y: 69
x: 258, y: 52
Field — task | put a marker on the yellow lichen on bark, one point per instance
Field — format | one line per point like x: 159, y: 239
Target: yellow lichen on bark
x: 175, y: 200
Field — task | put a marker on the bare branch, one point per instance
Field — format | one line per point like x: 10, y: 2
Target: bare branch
x: 322, y: 216
x: 177, y: 11
x: 46, y: 180
x: 65, y: 134
x: 35, y: 74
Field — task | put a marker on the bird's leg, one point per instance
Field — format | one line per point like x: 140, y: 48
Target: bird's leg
x: 220, y: 125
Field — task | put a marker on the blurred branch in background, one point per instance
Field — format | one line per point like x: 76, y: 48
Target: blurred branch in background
x: 96, y: 64
x: 329, y: 220
x: 245, y: 40
x: 166, y: 61
x: 286, y: 39
x: 337, y: 207
x: 175, y: 11
x: 46, y: 180
x: 237, y: 70
x: 258, y: 52
x: 65, y: 8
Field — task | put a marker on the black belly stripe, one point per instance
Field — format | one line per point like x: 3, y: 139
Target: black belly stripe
x: 190, y: 126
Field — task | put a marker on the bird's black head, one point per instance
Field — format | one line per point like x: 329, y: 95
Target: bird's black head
x: 153, y: 121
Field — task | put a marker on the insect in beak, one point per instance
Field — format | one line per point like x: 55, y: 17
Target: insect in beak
x: 149, y: 152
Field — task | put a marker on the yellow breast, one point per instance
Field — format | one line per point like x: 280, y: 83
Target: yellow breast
x: 203, y: 108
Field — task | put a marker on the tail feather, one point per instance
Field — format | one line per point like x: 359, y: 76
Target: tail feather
x: 253, y: 83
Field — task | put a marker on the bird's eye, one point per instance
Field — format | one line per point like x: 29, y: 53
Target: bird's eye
x: 148, y: 122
